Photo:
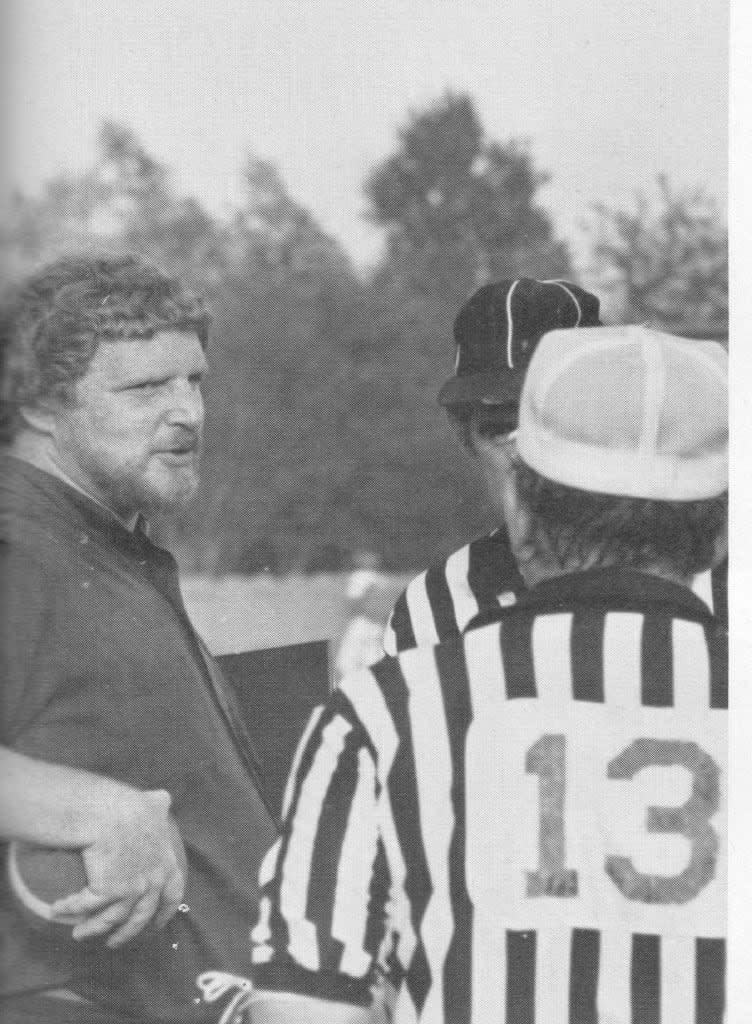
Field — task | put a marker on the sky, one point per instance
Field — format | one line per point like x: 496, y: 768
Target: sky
x: 609, y: 94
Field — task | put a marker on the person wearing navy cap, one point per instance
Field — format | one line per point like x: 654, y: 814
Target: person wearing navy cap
x: 496, y: 334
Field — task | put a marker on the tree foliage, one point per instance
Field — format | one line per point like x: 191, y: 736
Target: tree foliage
x: 323, y: 434
x: 460, y: 210
x: 323, y: 437
x: 667, y: 260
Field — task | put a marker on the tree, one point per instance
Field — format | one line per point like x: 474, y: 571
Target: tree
x: 458, y: 209
x: 666, y: 260
x: 276, y: 469
x: 124, y: 202
x: 322, y: 435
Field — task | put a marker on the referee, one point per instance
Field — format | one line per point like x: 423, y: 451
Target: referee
x: 496, y: 333
x: 527, y: 825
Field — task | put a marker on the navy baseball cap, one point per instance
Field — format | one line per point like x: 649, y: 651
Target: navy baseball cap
x: 498, y: 328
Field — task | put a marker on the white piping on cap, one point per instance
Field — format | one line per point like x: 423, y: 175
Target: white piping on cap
x: 571, y: 295
x: 653, y: 392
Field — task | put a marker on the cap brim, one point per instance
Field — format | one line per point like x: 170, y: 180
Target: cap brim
x: 483, y: 387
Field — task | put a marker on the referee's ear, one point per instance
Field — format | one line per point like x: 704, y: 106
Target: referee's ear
x: 516, y: 514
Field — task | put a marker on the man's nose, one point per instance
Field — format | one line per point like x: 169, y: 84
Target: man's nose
x: 186, y: 405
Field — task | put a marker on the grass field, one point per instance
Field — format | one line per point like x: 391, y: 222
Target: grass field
x: 243, y: 613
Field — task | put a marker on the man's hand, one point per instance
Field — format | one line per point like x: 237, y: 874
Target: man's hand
x: 135, y: 867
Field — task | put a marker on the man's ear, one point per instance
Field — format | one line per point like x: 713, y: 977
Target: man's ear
x: 516, y: 514
x: 496, y: 447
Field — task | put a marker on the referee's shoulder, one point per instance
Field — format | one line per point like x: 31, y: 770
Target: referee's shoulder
x: 477, y: 548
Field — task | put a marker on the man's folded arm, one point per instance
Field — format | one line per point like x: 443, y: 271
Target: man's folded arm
x: 128, y: 844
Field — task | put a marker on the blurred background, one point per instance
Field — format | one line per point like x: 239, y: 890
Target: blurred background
x: 336, y: 178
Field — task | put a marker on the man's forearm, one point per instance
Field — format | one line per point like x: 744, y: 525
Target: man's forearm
x: 53, y: 804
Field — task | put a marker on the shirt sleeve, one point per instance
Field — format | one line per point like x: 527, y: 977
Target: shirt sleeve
x: 324, y: 883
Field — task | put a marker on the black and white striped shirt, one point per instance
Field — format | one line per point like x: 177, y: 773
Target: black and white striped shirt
x: 480, y: 577
x: 525, y: 826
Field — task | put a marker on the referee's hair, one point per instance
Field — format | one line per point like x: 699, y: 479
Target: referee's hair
x: 593, y: 529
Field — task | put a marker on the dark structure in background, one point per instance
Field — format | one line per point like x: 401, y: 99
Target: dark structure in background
x: 276, y: 691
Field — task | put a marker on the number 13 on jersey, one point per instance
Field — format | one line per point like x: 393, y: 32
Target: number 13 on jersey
x: 597, y: 820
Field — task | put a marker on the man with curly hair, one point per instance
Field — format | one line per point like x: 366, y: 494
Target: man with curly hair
x: 120, y: 737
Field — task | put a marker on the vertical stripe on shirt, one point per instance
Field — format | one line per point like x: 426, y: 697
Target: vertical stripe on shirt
x: 646, y: 979
x: 691, y: 667
x: 517, y: 654
x: 421, y: 613
x: 520, y: 1007
x: 278, y: 932
x: 583, y: 976
x: 622, y: 659
x: 371, y: 704
x: 588, y: 626
x: 355, y: 871
x: 403, y: 796
x: 440, y: 603
x: 434, y: 774
x: 718, y: 644
x: 296, y: 867
x: 465, y: 603
x: 702, y: 585
x: 719, y: 590
x: 450, y: 662
x: 550, y: 637
x: 677, y: 988
x: 614, y: 976
x: 657, y: 669
x: 492, y: 569
x: 302, y: 746
x: 710, y: 984
x: 487, y: 967
x: 325, y: 856
x: 401, y: 627
x: 376, y: 935
x: 553, y: 950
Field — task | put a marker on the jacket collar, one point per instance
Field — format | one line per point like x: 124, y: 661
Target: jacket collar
x: 615, y: 589
x: 28, y: 488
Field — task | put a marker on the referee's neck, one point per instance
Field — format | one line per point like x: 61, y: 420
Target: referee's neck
x: 536, y: 570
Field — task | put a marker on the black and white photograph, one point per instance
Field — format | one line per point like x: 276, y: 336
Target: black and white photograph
x: 364, y: 524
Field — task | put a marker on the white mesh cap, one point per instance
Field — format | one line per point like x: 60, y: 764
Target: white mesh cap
x: 627, y: 411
